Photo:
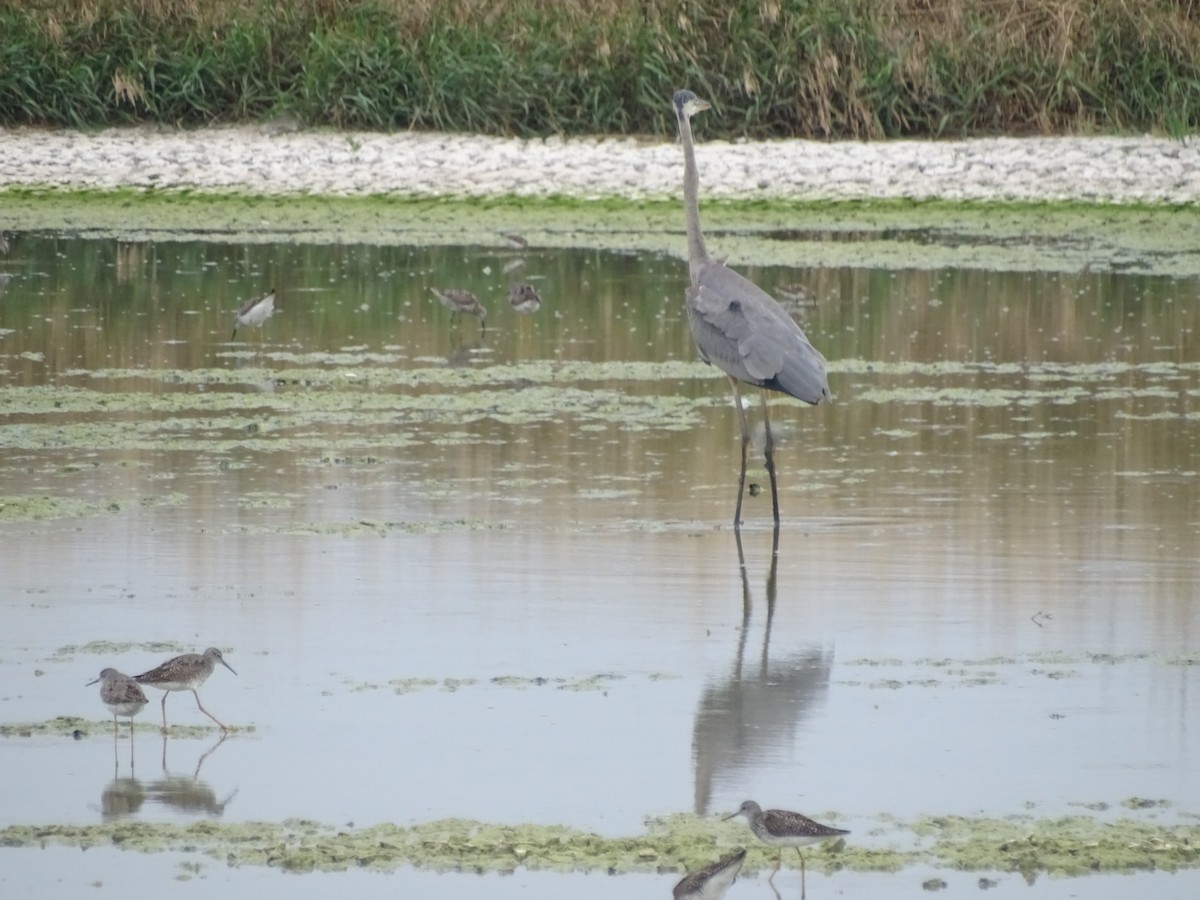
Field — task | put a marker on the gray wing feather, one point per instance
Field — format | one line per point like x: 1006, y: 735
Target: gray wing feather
x: 741, y: 329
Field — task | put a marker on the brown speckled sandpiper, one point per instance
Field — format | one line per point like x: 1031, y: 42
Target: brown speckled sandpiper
x: 185, y: 673
x: 121, y: 694
x: 780, y: 828
x: 524, y: 298
x: 461, y: 302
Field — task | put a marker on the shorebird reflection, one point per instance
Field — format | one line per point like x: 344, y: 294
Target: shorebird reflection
x: 744, y: 717
x: 711, y: 882
x: 185, y: 793
x: 121, y: 797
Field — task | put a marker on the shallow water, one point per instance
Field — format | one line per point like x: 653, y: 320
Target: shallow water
x: 491, y: 574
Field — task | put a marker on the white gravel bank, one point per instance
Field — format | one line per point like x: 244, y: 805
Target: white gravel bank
x: 258, y: 160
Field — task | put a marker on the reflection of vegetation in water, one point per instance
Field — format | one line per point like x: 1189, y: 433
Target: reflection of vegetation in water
x: 1065, y: 846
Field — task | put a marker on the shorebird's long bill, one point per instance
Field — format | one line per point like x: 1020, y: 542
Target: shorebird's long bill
x: 228, y: 666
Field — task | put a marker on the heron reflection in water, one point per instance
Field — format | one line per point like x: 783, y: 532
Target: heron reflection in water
x: 745, y: 717
x: 739, y: 327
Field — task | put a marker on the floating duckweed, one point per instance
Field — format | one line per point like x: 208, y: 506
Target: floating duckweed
x: 110, y: 648
x: 75, y: 727
x: 35, y: 508
x: 1072, y: 845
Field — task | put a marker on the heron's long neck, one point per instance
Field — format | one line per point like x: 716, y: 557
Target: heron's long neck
x: 697, y: 255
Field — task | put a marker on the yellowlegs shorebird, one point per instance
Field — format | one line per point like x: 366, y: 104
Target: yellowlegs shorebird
x: 184, y: 673
x: 460, y: 303
x: 254, y: 312
x: 711, y: 882
x: 780, y: 828
x: 524, y: 297
x: 121, y: 694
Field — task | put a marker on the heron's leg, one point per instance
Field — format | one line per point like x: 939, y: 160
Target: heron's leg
x: 207, y: 713
x: 769, y: 453
x: 737, y: 401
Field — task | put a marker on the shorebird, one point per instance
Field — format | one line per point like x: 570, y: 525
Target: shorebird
x: 184, y: 673
x: 524, y: 298
x: 780, y: 828
x: 254, y: 312
x: 711, y: 882
x: 121, y: 694
x: 460, y: 303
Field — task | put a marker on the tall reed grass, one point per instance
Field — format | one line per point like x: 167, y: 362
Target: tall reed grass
x: 818, y: 68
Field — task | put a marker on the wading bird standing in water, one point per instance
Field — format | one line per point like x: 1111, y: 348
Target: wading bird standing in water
x: 524, y: 298
x: 254, y: 312
x: 781, y: 828
x: 185, y: 673
x: 461, y: 303
x: 738, y: 326
x: 121, y: 694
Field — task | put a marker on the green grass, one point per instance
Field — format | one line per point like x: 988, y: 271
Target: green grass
x: 773, y: 68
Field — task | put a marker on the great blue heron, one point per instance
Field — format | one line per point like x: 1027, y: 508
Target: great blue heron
x: 254, y: 312
x: 738, y: 326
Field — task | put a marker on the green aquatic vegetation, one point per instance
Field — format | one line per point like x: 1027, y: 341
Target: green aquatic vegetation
x: 111, y: 648
x: 302, y: 420
x: 597, y: 682
x: 970, y: 396
x: 81, y: 729
x: 981, y: 236
x: 14, y: 508
x: 368, y: 528
x: 1065, y: 846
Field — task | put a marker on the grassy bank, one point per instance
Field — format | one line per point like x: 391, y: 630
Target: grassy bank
x: 774, y: 68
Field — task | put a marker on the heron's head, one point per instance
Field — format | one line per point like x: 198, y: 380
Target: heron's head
x: 688, y: 104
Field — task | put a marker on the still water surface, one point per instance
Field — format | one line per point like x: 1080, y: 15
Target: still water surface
x: 490, y: 574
